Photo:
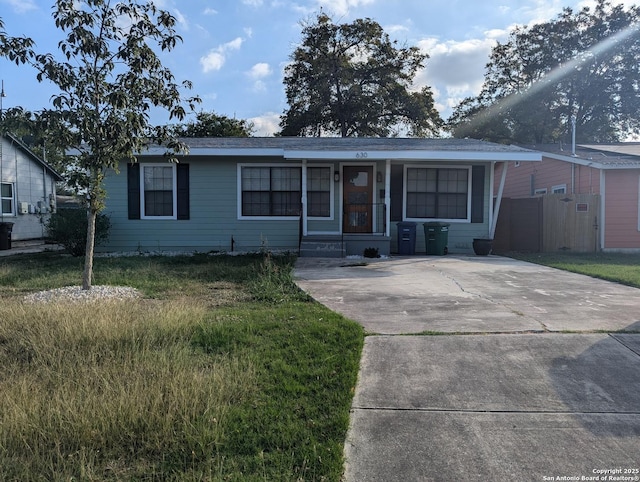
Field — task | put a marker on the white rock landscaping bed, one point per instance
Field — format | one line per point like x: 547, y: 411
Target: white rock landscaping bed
x: 77, y: 294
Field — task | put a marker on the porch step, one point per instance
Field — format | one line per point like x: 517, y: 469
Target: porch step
x: 322, y: 249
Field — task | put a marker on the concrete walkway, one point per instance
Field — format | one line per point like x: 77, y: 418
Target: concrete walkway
x: 536, y: 374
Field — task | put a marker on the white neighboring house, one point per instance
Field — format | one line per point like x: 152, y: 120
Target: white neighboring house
x: 28, y: 190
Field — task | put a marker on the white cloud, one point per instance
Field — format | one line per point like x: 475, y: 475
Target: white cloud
x: 181, y: 19
x: 216, y: 58
x: 342, y: 7
x: 253, y: 3
x: 455, y: 69
x: 210, y: 11
x: 391, y: 29
x: 212, y: 61
x: 21, y: 6
x: 266, y: 125
x: 260, y: 70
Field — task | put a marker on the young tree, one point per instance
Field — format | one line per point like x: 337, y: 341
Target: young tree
x: 109, y: 78
x: 209, y: 124
x: 352, y: 80
x: 584, y: 64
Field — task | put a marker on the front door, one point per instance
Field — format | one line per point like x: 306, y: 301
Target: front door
x: 357, y: 199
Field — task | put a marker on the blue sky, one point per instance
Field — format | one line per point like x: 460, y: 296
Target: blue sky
x: 234, y: 51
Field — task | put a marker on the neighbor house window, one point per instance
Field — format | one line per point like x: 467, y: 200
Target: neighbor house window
x: 319, y: 181
x: 271, y: 191
x: 7, y: 199
x: 437, y: 193
x: 560, y: 189
x: 158, y: 191
x: 540, y: 191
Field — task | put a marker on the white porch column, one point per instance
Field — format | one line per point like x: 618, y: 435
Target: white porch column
x: 387, y: 197
x: 304, y: 197
x: 496, y: 208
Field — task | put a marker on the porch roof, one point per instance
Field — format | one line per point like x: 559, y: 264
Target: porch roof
x: 356, y: 148
x: 622, y: 155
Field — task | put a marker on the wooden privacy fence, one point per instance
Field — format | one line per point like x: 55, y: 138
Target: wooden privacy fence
x: 553, y: 222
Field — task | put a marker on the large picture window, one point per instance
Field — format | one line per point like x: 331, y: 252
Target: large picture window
x: 8, y: 204
x: 319, y: 192
x: 271, y: 191
x: 158, y: 191
x: 437, y: 193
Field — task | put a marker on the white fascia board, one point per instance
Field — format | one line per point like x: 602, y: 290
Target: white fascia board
x: 413, y: 155
x: 574, y: 160
x: 592, y: 163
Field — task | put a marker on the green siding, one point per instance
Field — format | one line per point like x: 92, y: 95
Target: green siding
x: 213, y: 217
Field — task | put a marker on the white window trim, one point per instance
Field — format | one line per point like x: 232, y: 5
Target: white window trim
x: 13, y: 199
x: 174, y: 187
x: 437, y: 166
x: 559, y: 187
x: 239, y: 198
x: 331, y: 194
x: 540, y: 191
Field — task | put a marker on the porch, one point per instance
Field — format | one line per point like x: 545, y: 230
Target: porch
x: 342, y: 245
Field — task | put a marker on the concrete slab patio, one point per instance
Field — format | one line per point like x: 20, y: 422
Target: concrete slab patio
x: 503, y: 393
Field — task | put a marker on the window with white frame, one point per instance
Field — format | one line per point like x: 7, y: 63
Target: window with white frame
x: 271, y: 191
x: 8, y: 203
x: 559, y: 189
x: 319, y: 182
x: 158, y: 191
x: 438, y: 193
x: 540, y: 191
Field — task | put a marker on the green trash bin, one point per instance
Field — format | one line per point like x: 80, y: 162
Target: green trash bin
x: 436, y: 237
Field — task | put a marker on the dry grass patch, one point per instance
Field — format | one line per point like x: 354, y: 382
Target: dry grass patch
x: 111, y: 389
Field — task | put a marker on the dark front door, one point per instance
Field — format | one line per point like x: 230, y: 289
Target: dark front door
x: 357, y: 199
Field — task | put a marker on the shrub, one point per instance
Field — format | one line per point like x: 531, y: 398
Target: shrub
x: 371, y: 253
x: 68, y: 227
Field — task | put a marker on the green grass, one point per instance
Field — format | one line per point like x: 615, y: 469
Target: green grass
x: 621, y: 268
x: 223, y: 371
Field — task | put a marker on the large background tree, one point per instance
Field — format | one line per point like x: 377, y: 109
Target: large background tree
x: 352, y: 80
x: 584, y: 64
x: 210, y: 124
x: 110, y: 77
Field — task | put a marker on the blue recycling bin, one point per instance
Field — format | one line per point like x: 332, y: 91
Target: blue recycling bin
x: 406, y: 237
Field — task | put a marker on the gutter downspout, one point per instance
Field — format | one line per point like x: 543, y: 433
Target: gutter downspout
x: 496, y: 208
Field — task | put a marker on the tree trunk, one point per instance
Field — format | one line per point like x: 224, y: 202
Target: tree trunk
x: 87, y: 274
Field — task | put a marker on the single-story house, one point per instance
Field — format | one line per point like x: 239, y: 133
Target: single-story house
x: 610, y: 172
x: 28, y: 189
x: 319, y: 195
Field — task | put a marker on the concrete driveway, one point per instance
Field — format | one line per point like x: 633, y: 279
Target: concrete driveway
x: 535, y: 374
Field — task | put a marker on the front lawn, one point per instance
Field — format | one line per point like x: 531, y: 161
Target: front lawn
x: 222, y: 371
x: 618, y: 267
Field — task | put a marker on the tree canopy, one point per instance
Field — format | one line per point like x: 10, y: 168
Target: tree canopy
x: 109, y: 78
x: 210, y: 124
x: 583, y: 64
x: 352, y: 80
